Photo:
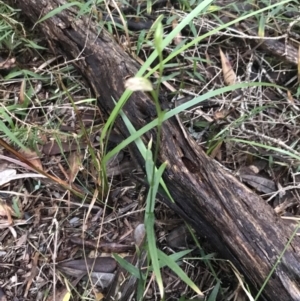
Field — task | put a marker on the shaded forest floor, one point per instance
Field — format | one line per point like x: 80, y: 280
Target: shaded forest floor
x: 48, y: 107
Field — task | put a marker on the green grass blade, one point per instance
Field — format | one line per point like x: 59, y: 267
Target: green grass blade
x: 10, y: 135
x: 214, y: 293
x: 184, y: 23
x: 166, y: 260
x: 148, y: 63
x: 127, y: 266
x: 140, y: 145
x: 58, y: 10
x: 179, y: 255
x: 149, y: 222
x: 268, y: 147
x: 294, y: 234
x: 169, y: 38
x: 153, y: 251
x: 135, y: 135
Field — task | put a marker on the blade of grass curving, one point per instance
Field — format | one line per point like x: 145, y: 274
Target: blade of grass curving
x: 113, y: 115
x: 268, y: 147
x: 33, y: 45
x: 166, y: 41
x: 184, y: 23
x: 243, y: 285
x: 85, y: 8
x: 179, y: 255
x: 154, y: 186
x: 153, y: 251
x: 169, y: 38
x: 27, y: 74
x: 58, y: 10
x: 141, y: 147
x: 178, y: 271
x: 130, y: 268
x: 154, y: 177
x: 214, y: 293
x: 135, y: 135
x: 149, y: 216
x: 147, y: 64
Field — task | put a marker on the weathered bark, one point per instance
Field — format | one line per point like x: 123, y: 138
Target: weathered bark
x: 237, y: 222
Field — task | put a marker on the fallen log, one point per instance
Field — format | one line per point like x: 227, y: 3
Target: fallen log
x: 237, y: 222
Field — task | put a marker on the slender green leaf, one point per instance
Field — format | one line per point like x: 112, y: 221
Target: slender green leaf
x: 185, y: 22
x: 58, y: 10
x: 166, y: 260
x: 136, y: 134
x: 214, y: 293
x: 127, y: 266
x: 153, y: 251
x: 10, y: 135
x: 276, y: 149
x: 148, y: 63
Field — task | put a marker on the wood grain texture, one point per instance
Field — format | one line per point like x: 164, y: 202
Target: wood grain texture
x: 237, y: 222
